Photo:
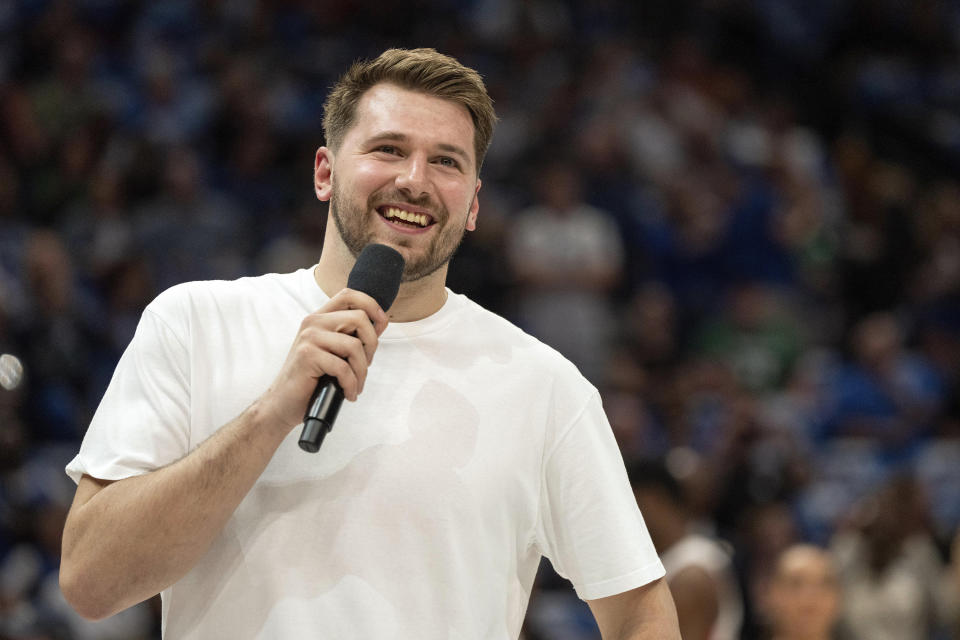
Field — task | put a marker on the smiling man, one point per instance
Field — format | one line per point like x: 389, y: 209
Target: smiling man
x: 470, y: 450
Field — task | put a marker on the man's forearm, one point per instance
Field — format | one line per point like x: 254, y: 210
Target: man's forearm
x: 651, y: 623
x: 128, y: 540
x: 657, y: 620
x: 660, y: 628
x: 645, y: 613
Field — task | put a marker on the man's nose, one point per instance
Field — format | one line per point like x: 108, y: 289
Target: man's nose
x: 412, y: 179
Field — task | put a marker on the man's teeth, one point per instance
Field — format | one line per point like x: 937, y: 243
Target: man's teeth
x: 418, y: 219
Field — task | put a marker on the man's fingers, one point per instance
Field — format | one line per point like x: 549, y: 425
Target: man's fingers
x: 369, y: 338
x: 338, y: 340
x: 349, y: 299
x: 341, y: 370
x: 349, y: 362
x: 349, y: 322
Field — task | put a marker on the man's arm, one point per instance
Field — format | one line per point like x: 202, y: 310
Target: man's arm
x: 644, y: 613
x: 126, y: 541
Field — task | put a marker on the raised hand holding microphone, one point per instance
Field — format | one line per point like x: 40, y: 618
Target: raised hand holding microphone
x: 376, y: 273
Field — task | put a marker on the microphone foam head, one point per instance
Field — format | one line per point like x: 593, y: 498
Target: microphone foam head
x: 377, y: 273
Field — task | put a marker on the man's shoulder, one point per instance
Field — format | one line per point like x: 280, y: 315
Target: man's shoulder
x: 224, y: 296
x: 500, y: 334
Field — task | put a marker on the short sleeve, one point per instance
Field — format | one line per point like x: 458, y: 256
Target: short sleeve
x: 143, y: 420
x: 590, y: 526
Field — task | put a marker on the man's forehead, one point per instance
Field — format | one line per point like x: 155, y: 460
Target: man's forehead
x: 389, y: 108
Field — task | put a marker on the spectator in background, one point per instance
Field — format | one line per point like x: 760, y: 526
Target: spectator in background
x: 215, y: 248
x: 765, y: 533
x: 126, y: 287
x: 951, y: 588
x: 938, y: 275
x: 98, y: 231
x: 803, y: 601
x: 756, y: 335
x: 566, y: 257
x: 176, y: 102
x: 890, y: 569
x: 807, y: 216
x: 13, y: 233
x: 651, y: 328
x: 63, y: 340
x: 887, y: 393
x: 301, y: 244
x: 699, y: 568
x: 878, y: 250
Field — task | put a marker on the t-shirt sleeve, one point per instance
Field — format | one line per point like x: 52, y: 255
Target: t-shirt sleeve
x: 590, y: 526
x: 143, y: 420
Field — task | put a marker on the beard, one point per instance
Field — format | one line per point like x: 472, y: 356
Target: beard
x: 356, y: 227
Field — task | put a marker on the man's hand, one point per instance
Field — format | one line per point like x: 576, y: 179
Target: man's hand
x: 338, y: 340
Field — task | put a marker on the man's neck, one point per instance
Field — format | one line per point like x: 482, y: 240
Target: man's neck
x: 416, y: 300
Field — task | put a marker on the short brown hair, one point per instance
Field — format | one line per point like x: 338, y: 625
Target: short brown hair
x: 423, y: 70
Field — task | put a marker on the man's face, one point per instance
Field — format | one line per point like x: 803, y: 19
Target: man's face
x: 405, y: 176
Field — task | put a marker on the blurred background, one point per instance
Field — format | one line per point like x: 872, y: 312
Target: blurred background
x: 740, y: 218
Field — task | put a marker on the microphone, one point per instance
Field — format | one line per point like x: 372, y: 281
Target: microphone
x: 376, y: 273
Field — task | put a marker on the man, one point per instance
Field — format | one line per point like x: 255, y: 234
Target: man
x: 698, y: 568
x: 470, y: 450
x: 803, y: 602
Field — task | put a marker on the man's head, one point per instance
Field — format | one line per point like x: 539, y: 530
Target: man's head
x: 422, y: 70
x: 401, y: 166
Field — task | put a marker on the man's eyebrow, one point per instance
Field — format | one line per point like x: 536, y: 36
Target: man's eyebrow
x: 396, y: 136
x: 389, y: 135
x: 454, y: 149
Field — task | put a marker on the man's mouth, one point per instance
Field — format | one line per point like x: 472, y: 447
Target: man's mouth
x: 407, y: 218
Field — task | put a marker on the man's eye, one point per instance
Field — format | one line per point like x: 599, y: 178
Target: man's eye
x: 448, y: 162
x: 386, y: 148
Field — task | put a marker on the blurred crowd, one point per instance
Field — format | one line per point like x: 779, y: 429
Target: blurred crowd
x: 740, y: 218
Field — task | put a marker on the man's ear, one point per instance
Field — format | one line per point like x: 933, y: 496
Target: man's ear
x: 323, y: 174
x: 474, y: 208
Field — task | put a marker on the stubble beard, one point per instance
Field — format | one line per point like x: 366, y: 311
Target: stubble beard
x: 355, y: 223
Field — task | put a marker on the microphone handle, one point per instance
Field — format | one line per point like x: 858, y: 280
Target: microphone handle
x: 321, y: 413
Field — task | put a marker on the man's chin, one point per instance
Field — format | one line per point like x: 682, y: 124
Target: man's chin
x: 420, y: 269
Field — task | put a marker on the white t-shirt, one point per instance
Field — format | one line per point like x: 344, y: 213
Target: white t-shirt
x: 473, y: 450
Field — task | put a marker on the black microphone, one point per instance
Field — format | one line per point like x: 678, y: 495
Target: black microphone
x: 376, y: 273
